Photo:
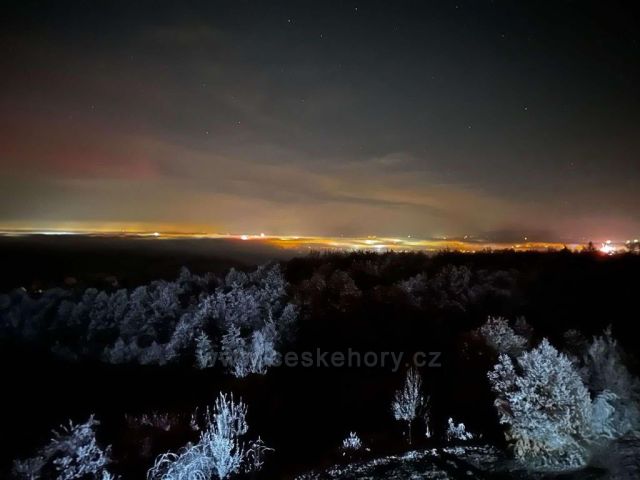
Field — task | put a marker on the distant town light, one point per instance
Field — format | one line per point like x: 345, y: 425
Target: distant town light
x: 607, y: 248
x: 244, y: 237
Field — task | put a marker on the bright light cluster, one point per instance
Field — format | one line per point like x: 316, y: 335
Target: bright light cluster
x: 607, y: 248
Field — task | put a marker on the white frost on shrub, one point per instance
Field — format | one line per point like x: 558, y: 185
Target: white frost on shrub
x: 546, y: 406
x: 76, y: 452
x: 220, y: 451
x: 73, y: 452
x: 352, y: 442
x: 457, y: 432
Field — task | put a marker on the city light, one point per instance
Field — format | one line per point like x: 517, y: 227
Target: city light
x: 607, y: 248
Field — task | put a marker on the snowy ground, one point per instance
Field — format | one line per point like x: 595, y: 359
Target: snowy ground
x: 620, y: 461
x: 438, y: 464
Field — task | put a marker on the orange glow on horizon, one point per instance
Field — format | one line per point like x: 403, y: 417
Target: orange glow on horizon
x: 293, y: 242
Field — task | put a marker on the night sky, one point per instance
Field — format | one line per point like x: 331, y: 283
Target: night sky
x: 490, y: 118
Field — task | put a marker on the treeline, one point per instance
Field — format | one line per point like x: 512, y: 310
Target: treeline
x: 244, y: 315
x: 555, y: 291
x: 195, y: 319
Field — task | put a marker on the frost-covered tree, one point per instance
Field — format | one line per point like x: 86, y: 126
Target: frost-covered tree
x: 261, y: 353
x: 234, y: 352
x: 492, y: 284
x: 135, y: 319
x: 154, y: 354
x: 243, y: 357
x: 247, y: 300
x: 220, y: 452
x: 235, y: 278
x: 523, y: 328
x: 73, y: 454
x: 121, y: 352
x: 118, y: 304
x: 604, y: 370
x: 343, y: 291
x: 239, y: 306
x: 575, y: 344
x: 408, y: 401
x: 270, y: 283
x: 165, y: 302
x: 604, y: 424
x: 99, y: 314
x: 184, y: 334
x: 497, y: 333
x: 415, y: 288
x: 285, y: 324
x: 204, y: 352
x: 546, y: 407
x: 157, y: 323
x: 450, y: 288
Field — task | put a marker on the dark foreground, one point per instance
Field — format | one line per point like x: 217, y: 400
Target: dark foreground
x: 345, y: 301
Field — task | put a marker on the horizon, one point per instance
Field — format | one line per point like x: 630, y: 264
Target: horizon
x: 373, y: 243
